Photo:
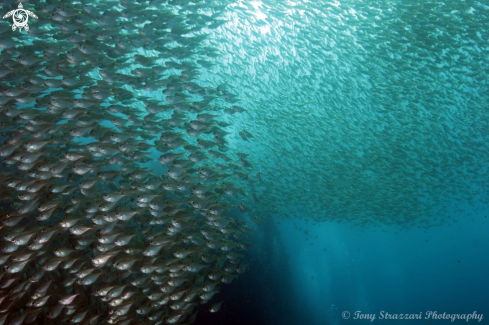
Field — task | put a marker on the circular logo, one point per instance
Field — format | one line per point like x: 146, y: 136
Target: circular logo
x: 20, y: 17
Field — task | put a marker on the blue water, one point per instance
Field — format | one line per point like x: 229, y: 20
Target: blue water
x: 439, y: 269
x: 370, y: 130
x: 337, y: 268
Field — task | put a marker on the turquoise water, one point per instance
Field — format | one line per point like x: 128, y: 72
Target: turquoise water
x: 351, y: 136
x: 367, y: 111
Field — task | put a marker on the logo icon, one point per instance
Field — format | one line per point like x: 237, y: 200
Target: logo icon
x: 20, y: 17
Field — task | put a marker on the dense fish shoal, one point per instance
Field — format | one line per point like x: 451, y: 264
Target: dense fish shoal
x: 117, y: 176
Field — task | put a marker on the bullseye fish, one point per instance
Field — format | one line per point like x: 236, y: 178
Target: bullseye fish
x: 96, y: 229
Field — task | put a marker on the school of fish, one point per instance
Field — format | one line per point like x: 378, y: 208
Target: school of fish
x: 117, y: 177
x: 368, y: 112
x: 130, y: 130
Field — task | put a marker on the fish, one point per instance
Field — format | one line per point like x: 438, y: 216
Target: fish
x: 330, y: 145
x: 353, y: 122
x: 255, y: 198
x: 96, y: 228
x: 215, y: 307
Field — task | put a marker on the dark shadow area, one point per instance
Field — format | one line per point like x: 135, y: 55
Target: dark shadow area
x: 263, y: 295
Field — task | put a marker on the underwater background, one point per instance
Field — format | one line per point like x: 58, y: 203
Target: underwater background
x: 358, y: 130
x: 301, y: 279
